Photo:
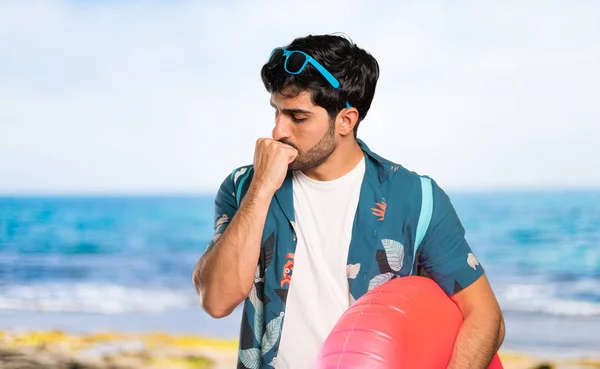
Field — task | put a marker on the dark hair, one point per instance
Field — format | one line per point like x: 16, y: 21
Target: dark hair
x: 355, y: 69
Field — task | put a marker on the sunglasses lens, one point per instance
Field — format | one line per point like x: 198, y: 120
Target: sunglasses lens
x: 276, y: 56
x: 295, y: 62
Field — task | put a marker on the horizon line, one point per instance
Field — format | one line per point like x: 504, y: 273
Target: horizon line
x: 212, y: 193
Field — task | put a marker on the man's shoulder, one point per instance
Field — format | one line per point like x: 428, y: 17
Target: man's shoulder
x: 236, y: 180
x: 411, y: 184
x: 237, y: 174
x: 400, y: 174
x: 242, y: 172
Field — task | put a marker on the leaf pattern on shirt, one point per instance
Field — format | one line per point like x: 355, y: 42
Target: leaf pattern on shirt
x: 239, y: 173
x: 250, y: 358
x: 380, y: 279
x: 215, y: 238
x: 379, y: 210
x: 352, y: 270
x: 247, y: 333
x: 472, y: 261
x: 282, y: 293
x: 258, y: 310
x: 394, y: 251
x: 294, y: 229
x: 272, y: 334
x: 266, y: 255
x: 223, y: 219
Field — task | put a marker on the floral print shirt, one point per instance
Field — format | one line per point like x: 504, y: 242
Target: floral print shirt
x: 383, y: 247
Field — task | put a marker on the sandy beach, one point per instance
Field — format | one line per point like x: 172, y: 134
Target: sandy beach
x: 57, y: 349
x: 103, y: 350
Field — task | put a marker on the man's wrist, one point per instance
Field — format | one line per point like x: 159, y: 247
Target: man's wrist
x: 259, y: 194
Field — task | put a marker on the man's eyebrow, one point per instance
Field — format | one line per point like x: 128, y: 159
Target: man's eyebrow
x: 292, y: 111
x: 296, y: 111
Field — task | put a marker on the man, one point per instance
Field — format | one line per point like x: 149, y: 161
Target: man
x: 319, y: 219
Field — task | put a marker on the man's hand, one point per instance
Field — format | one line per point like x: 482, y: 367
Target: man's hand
x: 224, y: 275
x: 482, y: 331
x: 271, y: 161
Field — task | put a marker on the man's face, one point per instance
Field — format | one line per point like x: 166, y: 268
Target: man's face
x: 304, y: 126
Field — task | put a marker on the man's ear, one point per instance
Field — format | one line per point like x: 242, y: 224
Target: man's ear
x: 347, y: 118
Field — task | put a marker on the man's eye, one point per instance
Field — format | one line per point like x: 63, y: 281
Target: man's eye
x: 298, y: 120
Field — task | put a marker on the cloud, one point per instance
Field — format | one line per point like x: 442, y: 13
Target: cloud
x: 166, y: 96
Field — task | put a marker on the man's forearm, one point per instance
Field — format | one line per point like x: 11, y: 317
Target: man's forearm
x: 477, y: 342
x: 225, y: 273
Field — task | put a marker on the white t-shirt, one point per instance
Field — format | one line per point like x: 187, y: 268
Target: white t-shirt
x: 318, y: 294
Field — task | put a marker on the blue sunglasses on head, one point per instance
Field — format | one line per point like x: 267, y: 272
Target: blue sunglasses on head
x: 296, y: 61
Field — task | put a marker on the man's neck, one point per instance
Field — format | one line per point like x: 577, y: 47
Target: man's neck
x: 345, y: 158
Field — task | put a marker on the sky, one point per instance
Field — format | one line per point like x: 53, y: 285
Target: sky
x: 166, y: 96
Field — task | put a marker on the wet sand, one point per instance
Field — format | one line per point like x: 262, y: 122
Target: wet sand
x: 57, y: 349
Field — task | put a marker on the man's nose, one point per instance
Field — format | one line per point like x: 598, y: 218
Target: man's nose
x: 281, y: 129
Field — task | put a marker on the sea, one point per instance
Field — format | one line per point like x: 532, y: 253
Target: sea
x: 97, y: 263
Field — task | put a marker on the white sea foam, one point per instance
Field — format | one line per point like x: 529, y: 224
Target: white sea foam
x: 94, y: 298
x: 114, y: 299
x: 549, y: 299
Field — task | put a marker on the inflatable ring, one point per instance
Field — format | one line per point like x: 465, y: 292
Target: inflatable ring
x: 406, y: 323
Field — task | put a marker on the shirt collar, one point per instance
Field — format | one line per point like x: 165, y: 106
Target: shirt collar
x: 380, y: 167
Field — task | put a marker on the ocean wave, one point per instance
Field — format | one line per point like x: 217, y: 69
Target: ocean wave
x: 95, y: 298
x: 116, y: 299
x: 550, y: 299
